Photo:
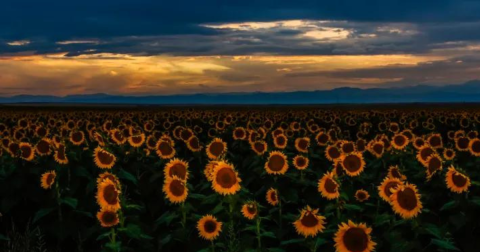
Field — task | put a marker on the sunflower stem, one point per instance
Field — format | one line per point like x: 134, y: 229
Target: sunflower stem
x: 184, y: 214
x: 259, y: 238
x: 213, y: 246
x: 59, y: 202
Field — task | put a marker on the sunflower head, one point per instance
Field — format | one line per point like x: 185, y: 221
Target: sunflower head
x: 353, y: 163
x: 47, y: 179
x: 176, y: 167
x: 361, y: 195
x: 136, y: 140
x: 456, y: 181
x: 216, y: 149
x: 77, y: 137
x: 433, y: 164
x: 164, y: 149
x: 259, y: 147
x: 448, y: 154
x: 310, y: 223
x: 328, y: 187
x: 60, y: 154
x: 280, y: 141
x: 386, y: 187
x: 277, y: 163
x: 209, y: 228
x: 405, y: 201
x: 239, y: 133
x: 104, y: 159
x: 175, y: 189
x: 250, y: 210
x: 108, y: 218
x: 302, y: 144
x: 108, y: 195
x: 399, y: 141
x: 352, y: 237
x: 300, y: 162
x: 26, y: 151
x: 225, y: 180
x: 474, y: 147
x: 193, y: 144
x: 272, y: 197
x: 394, y: 172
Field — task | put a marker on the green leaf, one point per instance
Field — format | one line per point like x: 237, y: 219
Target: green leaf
x: 218, y: 208
x: 196, y: 196
x: 134, y: 231
x: 41, y: 213
x: 433, y: 230
x: 381, y: 220
x: 444, y: 244
x: 84, y: 213
x: 292, y: 241
x: 269, y: 234
x: 475, y: 201
x: 127, y: 175
x: 134, y: 206
x: 448, y: 205
x: 70, y: 201
x: 103, y: 236
x: 352, y: 207
x: 250, y: 228
x: 167, y: 217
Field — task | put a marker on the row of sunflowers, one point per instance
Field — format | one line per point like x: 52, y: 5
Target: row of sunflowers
x: 242, y: 179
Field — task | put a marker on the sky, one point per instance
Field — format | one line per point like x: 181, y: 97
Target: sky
x: 213, y: 46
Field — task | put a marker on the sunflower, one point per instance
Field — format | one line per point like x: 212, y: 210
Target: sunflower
x: 434, y: 164
x: 104, y: 159
x: 164, y: 149
x: 60, y: 156
x: 272, y: 197
x: 176, y: 167
x: 361, y: 195
x: 209, y: 228
x: 239, y: 133
x: 310, y: 222
x: 107, y: 195
x: 47, y: 180
x: 110, y: 176
x: 277, y: 163
x: 118, y: 137
x: 300, y: 162
x: 418, y: 142
x: 250, y: 210
x: 108, y: 218
x: 322, y: 138
x: 99, y: 139
x: 353, y: 163
x: 435, y: 141
x: 208, y: 171
x: 302, y: 144
x: 328, y: 187
x: 386, y: 187
x: 136, y: 140
x: 175, y: 189
x: 26, y: 151
x: 193, y: 144
x: 377, y: 148
x: 474, y: 147
x: 225, y: 179
x: 352, y: 237
x: 462, y: 143
x: 77, y: 137
x: 448, y: 154
x: 151, y: 142
x: 348, y: 147
x: 456, y: 181
x: 394, y: 172
x: 399, y: 141
x: 332, y: 153
x: 280, y: 141
x: 423, y: 153
x: 405, y: 201
x: 216, y: 148
x: 260, y: 147
x: 338, y: 169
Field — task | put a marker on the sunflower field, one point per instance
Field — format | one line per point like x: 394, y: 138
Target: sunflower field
x: 240, y: 179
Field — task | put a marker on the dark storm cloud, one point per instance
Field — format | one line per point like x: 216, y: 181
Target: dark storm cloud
x: 175, y: 27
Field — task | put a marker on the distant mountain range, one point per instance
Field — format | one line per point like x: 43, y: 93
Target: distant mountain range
x: 466, y: 92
